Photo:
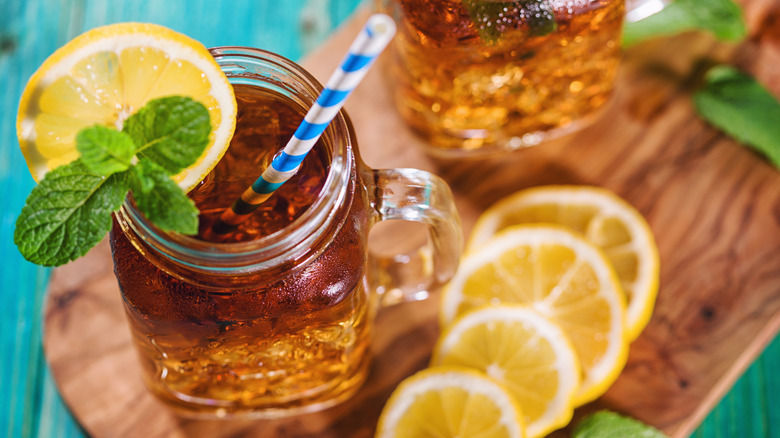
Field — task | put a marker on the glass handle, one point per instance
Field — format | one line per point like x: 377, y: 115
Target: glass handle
x: 417, y: 196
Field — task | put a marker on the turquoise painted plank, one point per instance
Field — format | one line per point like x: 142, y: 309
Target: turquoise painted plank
x: 770, y: 362
x: 25, y: 45
x: 752, y: 407
x: 54, y: 419
x: 31, y: 30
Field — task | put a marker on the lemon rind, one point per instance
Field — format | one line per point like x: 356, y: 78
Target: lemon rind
x: 433, y: 378
x: 116, y: 38
x: 597, y: 379
x: 561, y: 408
x: 638, y: 311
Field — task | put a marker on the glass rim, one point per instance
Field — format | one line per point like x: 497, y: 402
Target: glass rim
x: 292, y: 241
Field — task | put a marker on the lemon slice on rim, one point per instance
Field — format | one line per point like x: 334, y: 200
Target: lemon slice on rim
x: 531, y: 356
x: 560, y: 275
x: 605, y: 220
x: 105, y: 75
x: 450, y: 402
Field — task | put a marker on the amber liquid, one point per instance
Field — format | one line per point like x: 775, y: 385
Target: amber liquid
x: 467, y: 85
x: 291, y: 344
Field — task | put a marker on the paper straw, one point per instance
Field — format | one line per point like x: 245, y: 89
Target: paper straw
x: 369, y: 43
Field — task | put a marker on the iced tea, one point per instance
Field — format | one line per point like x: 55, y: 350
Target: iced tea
x: 292, y: 338
x: 486, y: 75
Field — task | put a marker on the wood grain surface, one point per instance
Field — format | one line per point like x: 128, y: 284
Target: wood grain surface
x: 713, y: 205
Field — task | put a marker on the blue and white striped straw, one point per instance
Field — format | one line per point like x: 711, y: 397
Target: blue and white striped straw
x: 369, y: 43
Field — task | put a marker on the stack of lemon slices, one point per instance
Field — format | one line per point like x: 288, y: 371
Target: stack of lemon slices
x: 555, y: 284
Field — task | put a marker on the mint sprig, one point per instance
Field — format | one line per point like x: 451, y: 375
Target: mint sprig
x: 493, y: 18
x: 722, y: 18
x: 741, y: 107
x: 730, y: 100
x: 69, y: 211
x: 104, y: 150
x: 161, y: 200
x: 606, y: 424
x: 171, y: 132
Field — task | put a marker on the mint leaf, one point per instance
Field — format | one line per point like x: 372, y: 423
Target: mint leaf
x: 161, y: 200
x: 492, y: 18
x: 68, y: 213
x: 172, y: 132
x: 737, y: 104
x: 605, y: 424
x: 104, y: 150
x: 722, y: 18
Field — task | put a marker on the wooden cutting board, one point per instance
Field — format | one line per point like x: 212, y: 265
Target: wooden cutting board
x: 714, y: 207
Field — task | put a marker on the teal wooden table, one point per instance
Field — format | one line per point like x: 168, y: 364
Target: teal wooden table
x: 32, y: 30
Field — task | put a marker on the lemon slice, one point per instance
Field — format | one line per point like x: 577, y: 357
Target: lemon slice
x: 449, y: 402
x: 606, y: 220
x: 563, y: 277
x: 531, y: 356
x: 108, y: 73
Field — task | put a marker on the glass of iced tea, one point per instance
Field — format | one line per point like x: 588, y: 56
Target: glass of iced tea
x: 276, y: 318
x: 475, y: 77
